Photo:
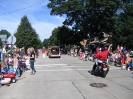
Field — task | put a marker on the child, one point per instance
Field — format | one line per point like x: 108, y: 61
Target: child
x: 128, y: 63
x: 27, y: 61
x: 6, y: 61
x: 15, y: 62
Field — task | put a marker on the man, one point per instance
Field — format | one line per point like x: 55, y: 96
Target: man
x: 100, y: 56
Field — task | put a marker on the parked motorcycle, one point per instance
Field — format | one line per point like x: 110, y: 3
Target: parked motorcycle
x: 102, y: 69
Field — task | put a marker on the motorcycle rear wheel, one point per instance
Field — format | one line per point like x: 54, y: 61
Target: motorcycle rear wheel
x: 104, y: 74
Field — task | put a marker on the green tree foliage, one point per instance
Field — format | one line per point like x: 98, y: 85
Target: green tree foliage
x: 65, y: 35
x: 89, y: 16
x: 94, y: 17
x: 5, y: 32
x: 26, y: 36
x: 0, y: 43
x: 46, y: 43
x: 54, y: 41
x: 62, y: 36
x: 123, y: 32
x: 39, y: 44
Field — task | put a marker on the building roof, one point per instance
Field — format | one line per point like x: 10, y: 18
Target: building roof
x: 3, y: 36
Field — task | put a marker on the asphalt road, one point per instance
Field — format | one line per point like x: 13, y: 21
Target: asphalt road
x: 68, y: 78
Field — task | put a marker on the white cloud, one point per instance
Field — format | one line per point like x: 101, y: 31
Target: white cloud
x: 61, y: 19
x: 44, y: 29
x: 10, y: 26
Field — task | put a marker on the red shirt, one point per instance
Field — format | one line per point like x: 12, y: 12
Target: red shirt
x: 43, y: 51
x: 101, y: 55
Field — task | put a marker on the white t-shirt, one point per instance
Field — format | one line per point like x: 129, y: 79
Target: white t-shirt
x: 4, y: 51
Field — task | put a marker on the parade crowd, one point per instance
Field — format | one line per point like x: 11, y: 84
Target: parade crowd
x: 118, y: 57
x: 14, y: 62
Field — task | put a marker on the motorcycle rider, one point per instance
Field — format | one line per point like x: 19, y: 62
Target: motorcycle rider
x: 100, y: 56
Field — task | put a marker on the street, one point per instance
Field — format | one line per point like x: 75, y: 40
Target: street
x: 68, y: 78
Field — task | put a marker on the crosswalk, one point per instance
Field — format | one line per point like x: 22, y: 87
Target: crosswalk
x: 62, y: 67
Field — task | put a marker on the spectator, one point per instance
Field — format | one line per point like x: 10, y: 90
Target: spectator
x: 21, y: 54
x: 4, y: 52
x: 114, y: 56
x: 0, y: 52
x: 128, y: 63
x: 32, y: 60
x: 118, y: 48
x: 6, y: 61
x: 122, y: 59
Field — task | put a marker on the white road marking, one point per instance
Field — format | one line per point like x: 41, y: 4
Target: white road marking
x: 61, y: 67
x: 53, y: 65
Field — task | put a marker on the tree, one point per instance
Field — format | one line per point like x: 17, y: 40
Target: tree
x: 0, y: 43
x: 26, y: 36
x: 65, y: 36
x: 54, y: 41
x: 5, y: 32
x: 123, y: 31
x: 95, y: 17
x: 46, y: 43
x: 62, y: 36
x: 88, y: 16
x: 39, y: 44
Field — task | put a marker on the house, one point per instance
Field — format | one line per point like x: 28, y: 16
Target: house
x: 3, y: 39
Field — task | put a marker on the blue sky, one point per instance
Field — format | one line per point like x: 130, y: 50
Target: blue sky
x: 38, y: 15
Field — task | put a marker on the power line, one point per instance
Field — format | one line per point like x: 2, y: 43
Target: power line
x: 22, y: 9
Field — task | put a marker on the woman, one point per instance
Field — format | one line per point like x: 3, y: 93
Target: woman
x: 32, y: 60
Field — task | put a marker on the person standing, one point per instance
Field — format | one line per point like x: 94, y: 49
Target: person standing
x: 4, y: 52
x: 43, y: 53
x: 32, y: 60
x: 16, y: 65
x: 0, y: 52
